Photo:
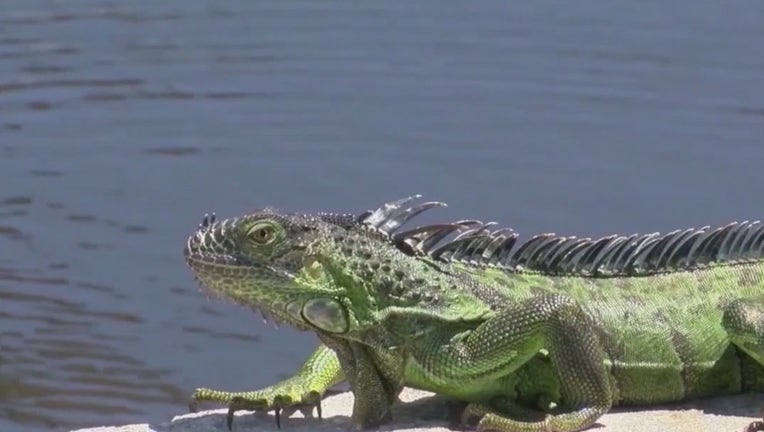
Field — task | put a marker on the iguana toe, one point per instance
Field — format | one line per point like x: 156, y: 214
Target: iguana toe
x: 755, y: 426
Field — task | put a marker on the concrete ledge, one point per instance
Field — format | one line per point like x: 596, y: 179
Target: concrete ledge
x: 422, y: 412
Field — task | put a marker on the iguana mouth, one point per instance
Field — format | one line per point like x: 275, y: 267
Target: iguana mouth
x: 218, y: 260
x: 229, y: 261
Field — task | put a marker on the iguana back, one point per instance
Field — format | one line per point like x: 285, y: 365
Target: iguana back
x: 658, y: 301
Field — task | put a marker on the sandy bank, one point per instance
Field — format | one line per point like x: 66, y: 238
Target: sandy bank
x: 424, y: 413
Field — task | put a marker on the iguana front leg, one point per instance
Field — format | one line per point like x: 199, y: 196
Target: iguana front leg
x: 318, y: 374
x: 374, y: 390
x: 502, y: 344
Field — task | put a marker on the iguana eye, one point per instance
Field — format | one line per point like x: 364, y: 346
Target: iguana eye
x: 262, y: 233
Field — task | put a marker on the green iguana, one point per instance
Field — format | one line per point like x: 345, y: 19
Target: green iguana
x: 545, y: 336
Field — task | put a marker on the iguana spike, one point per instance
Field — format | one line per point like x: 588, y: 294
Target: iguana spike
x: 478, y: 248
x: 737, y: 248
x: 591, y: 253
x: 665, y: 258
x: 682, y: 252
x: 562, y: 259
x: 504, y: 250
x: 758, y: 244
x: 375, y: 218
x: 404, y: 216
x: 725, y: 244
x: 450, y: 249
x: 618, y: 254
x: 498, y: 237
x: 429, y: 243
x: 601, y: 262
x: 750, y: 245
x: 471, y: 251
x: 520, y: 257
x: 747, y: 246
x: 421, y: 238
x: 714, y: 243
x: 636, y: 264
x: 636, y: 254
x: 542, y: 250
x: 656, y: 250
x: 342, y: 219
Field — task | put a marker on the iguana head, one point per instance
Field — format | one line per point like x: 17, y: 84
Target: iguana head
x: 319, y: 271
x: 265, y: 260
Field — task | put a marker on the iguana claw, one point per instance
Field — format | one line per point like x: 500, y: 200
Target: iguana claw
x: 755, y: 426
x: 229, y: 416
x: 278, y: 417
x: 239, y: 403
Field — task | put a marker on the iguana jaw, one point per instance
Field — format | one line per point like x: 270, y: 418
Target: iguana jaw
x: 281, y: 281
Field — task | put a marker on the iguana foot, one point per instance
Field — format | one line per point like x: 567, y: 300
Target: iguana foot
x: 755, y: 426
x: 302, y: 391
x: 516, y: 418
x: 283, y: 398
x: 485, y: 418
x: 281, y: 406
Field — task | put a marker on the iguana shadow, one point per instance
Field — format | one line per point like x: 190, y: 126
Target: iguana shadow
x: 431, y: 411
x: 741, y: 405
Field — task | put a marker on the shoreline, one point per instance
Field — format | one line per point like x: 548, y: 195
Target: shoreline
x: 423, y: 412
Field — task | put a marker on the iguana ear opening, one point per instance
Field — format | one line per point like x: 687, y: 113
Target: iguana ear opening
x: 325, y: 314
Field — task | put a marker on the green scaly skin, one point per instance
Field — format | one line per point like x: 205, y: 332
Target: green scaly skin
x: 548, y: 338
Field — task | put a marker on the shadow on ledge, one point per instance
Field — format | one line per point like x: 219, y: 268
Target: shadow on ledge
x: 423, y: 412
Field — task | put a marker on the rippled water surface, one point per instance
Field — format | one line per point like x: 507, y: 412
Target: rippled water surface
x: 121, y: 123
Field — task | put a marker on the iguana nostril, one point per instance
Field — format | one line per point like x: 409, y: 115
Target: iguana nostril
x: 207, y: 220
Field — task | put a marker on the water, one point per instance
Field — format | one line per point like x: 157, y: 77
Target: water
x: 122, y: 123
